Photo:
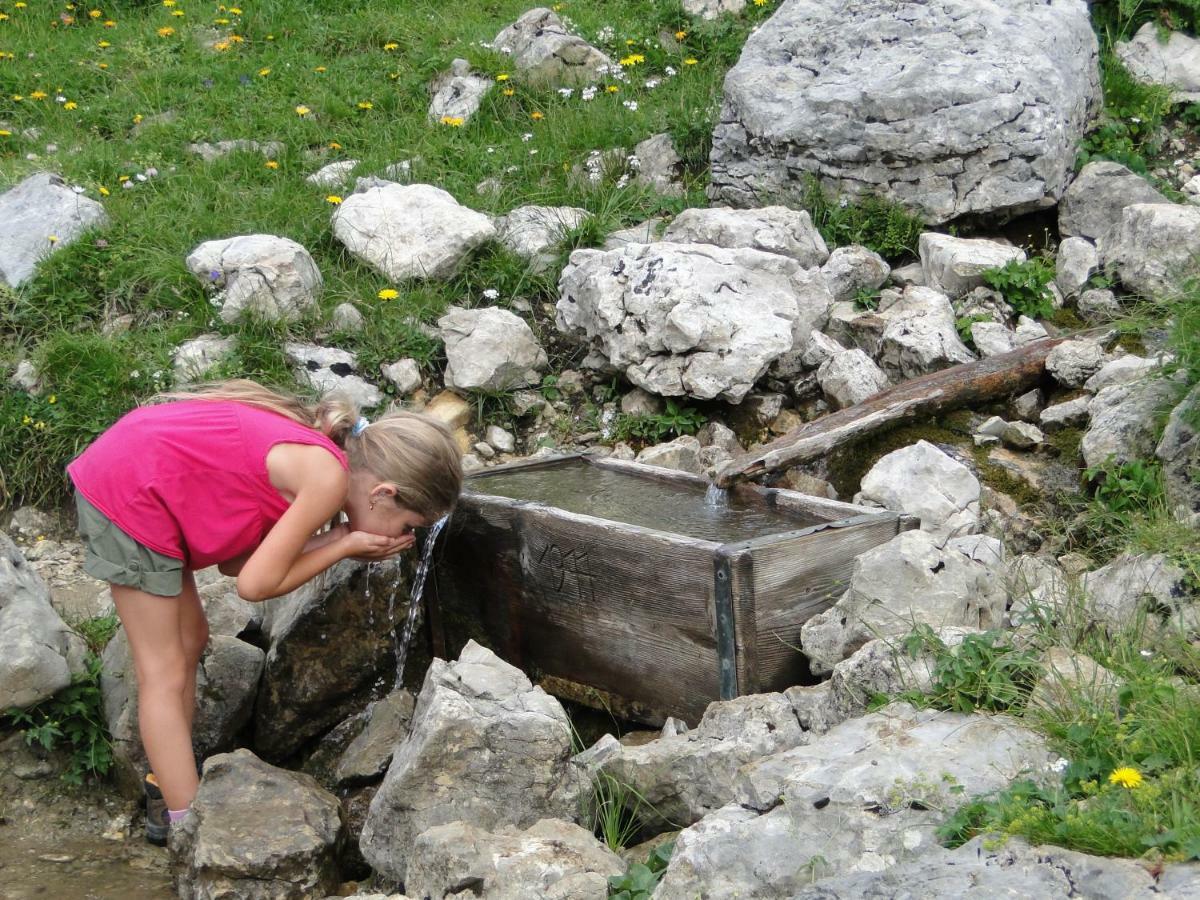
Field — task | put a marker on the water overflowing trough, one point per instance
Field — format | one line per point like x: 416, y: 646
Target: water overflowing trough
x: 640, y: 590
x: 404, y: 639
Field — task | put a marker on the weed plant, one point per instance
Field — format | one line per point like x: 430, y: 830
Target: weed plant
x: 1025, y: 286
x: 651, y: 428
x: 641, y: 879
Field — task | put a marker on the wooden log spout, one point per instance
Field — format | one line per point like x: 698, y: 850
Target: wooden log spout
x: 963, y: 385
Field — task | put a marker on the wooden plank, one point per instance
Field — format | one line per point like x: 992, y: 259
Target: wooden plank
x: 741, y: 567
x: 796, y: 579
x: 938, y: 392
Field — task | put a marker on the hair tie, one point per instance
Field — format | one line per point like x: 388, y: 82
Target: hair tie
x: 359, y: 426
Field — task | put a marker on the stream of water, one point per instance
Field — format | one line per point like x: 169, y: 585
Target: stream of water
x: 404, y: 638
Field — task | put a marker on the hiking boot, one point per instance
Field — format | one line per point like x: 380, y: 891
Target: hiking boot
x: 158, y: 823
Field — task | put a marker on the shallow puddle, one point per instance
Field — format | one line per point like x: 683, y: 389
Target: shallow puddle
x: 81, y: 869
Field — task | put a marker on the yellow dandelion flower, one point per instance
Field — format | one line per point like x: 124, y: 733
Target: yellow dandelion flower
x: 690, y: 61
x: 537, y: 116
x: 52, y: 399
x: 319, y: 69
x: 104, y: 45
x: 3, y: 17
x: 37, y: 95
x: 109, y: 23
x: 234, y: 10
x: 20, y: 5
x: 452, y: 121
x: 122, y: 178
x: 221, y: 46
x: 220, y: 21
x: 1126, y: 777
x: 177, y: 13
x: 52, y: 238
x: 104, y: 192
x: 629, y: 42
x: 760, y: 2
x: 508, y: 92
x: 94, y: 13
x: 237, y: 39
x: 503, y: 76
x: 366, y: 104
x: 334, y: 145
x: 17, y: 98
x: 4, y: 132
x: 264, y: 72
x: 101, y: 65
x: 70, y: 104
x: 137, y: 119
x: 612, y: 89
x: 390, y: 46
x: 166, y: 31
x: 333, y: 199
x: 302, y: 110
x: 272, y: 164
x: 388, y: 294
x: 168, y: 3
x: 26, y: 420
x: 680, y: 35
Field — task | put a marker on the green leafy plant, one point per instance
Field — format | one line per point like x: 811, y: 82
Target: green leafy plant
x: 615, y: 811
x: 652, y: 428
x: 885, y: 227
x: 985, y: 672
x: 641, y: 879
x: 963, y: 326
x: 549, y: 388
x: 1024, y: 285
x: 73, y: 719
x: 1126, y: 490
x: 866, y: 298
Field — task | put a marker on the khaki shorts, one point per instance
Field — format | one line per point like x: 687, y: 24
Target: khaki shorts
x: 114, y: 556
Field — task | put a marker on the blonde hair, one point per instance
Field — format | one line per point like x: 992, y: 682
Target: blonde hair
x: 416, y: 453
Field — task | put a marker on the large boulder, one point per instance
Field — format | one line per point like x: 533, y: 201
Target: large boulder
x: 273, y: 277
x: 1174, y: 62
x: 410, y: 231
x: 550, y: 859
x: 330, y: 642
x: 865, y: 796
x: 256, y: 831
x: 38, y: 217
x: 690, y: 319
x: 922, y: 480
x: 853, y: 269
x: 486, y: 747
x: 543, y: 50
x: 331, y: 369
x: 1095, y: 199
x: 955, y: 265
x: 947, y: 107
x: 534, y: 233
x: 226, y: 686
x: 1179, y: 452
x: 1154, y: 248
x: 1125, y: 421
x: 36, y: 647
x: 919, y: 335
x: 681, y: 778
x: 773, y: 229
x: 458, y: 93
x: 909, y: 581
x: 850, y: 377
x: 490, y: 349
x: 1133, y: 588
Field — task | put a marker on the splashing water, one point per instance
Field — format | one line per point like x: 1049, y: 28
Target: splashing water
x: 403, y: 639
x: 716, y: 497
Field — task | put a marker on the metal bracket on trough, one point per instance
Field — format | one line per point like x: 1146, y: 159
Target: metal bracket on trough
x: 726, y: 646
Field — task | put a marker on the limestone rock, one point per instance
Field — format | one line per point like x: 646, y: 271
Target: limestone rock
x: 1021, y: 435
x: 256, y: 831
x: 490, y: 349
x: 550, y: 859
x: 330, y: 369
x: 404, y: 375
x: 535, y: 232
x: 1095, y: 199
x: 35, y: 644
x: 1124, y: 421
x: 992, y: 338
x: 682, y: 453
x: 410, y: 231
x: 1069, y: 414
x: 194, y: 359
x: 1179, y: 451
x: 369, y: 754
x: 39, y: 216
x: 713, y: 9
x: 502, y: 440
x: 458, y: 94
x: 850, y: 377
x: 644, y: 233
x: 955, y: 266
x: 1069, y: 678
x: 658, y: 165
x: 209, y: 152
x: 772, y: 229
x: 486, y: 747
x: 1098, y: 305
x: 919, y: 336
x: 852, y: 270
x: 944, y: 113
x: 1174, y: 62
x: 334, y: 174
x: 543, y: 50
x: 863, y: 797
x: 1077, y: 261
x: 271, y: 276
x: 685, y: 777
x: 1154, y: 247
x: 1133, y: 586
x: 1122, y: 370
x: 1074, y: 362
x: 347, y: 319
x: 690, y: 319
x: 922, y: 480
x: 907, y: 581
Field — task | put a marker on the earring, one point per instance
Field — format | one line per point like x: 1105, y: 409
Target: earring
x: 372, y: 506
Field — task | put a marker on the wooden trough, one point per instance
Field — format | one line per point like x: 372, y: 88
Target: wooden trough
x: 642, y: 621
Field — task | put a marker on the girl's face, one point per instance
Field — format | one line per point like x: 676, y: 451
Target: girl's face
x: 371, y: 506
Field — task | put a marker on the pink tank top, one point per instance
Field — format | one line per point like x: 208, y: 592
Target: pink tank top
x: 189, y: 479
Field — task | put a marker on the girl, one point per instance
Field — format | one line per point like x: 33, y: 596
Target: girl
x: 242, y: 477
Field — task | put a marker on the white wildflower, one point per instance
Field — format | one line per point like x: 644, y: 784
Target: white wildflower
x: 607, y: 33
x: 630, y: 105
x: 652, y: 83
x: 670, y: 71
x: 527, y: 137
x: 588, y: 93
x: 566, y: 92
x: 490, y: 294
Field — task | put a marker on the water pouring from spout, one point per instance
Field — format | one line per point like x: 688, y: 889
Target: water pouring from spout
x: 404, y: 638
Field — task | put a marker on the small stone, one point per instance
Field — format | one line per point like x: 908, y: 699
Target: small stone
x: 1028, y: 405
x: 1098, y: 305
x: 1071, y: 414
x: 404, y: 375
x: 484, y: 450
x: 993, y: 427
x: 1022, y: 435
x: 500, y: 439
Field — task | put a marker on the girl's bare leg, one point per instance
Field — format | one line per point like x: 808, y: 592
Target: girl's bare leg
x: 153, y: 626
x: 193, y: 633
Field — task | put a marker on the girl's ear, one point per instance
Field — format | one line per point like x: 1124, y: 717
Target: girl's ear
x: 384, y: 490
